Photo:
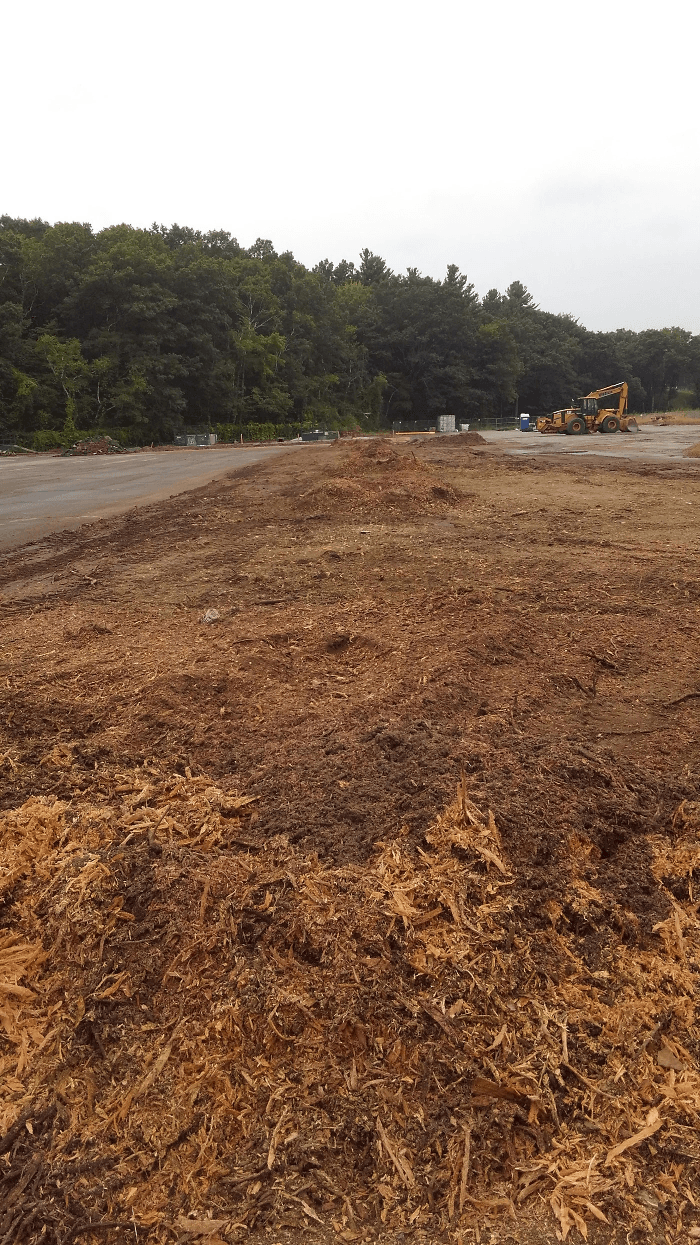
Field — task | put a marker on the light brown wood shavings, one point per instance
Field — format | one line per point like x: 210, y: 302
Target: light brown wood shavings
x: 249, y: 1038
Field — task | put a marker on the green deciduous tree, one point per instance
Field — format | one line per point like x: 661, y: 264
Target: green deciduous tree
x: 66, y: 363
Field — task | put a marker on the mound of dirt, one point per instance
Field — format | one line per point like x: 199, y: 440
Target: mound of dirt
x: 693, y: 451
x: 380, y: 476
x: 214, y: 1035
x: 463, y: 438
x: 381, y: 454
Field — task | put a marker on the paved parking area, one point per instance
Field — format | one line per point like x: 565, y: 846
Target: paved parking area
x: 650, y: 444
x: 43, y: 494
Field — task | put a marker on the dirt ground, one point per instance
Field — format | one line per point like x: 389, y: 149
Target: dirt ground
x: 446, y: 718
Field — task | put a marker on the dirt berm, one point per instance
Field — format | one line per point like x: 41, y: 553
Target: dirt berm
x: 369, y: 911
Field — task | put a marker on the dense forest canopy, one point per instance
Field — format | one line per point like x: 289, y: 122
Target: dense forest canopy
x: 151, y: 331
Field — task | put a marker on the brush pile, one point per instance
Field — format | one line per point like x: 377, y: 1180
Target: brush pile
x: 206, y: 1035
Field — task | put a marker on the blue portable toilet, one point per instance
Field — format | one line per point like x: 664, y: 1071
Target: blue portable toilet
x: 524, y: 423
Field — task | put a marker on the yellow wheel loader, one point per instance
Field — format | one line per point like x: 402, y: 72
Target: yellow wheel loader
x: 585, y: 415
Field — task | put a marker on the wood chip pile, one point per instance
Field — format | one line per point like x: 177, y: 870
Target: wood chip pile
x: 206, y: 1036
x: 377, y: 476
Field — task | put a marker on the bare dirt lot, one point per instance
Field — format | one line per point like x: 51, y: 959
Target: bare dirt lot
x: 369, y: 910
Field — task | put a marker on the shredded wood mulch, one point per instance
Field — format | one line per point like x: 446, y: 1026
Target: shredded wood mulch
x: 377, y: 477
x: 208, y: 1034
x: 368, y: 912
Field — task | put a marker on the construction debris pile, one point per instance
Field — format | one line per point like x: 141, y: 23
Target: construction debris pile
x: 95, y: 445
x: 208, y: 1035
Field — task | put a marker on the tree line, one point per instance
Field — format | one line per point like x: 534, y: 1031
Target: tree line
x: 149, y: 332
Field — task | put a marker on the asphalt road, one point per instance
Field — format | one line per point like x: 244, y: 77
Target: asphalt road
x: 46, y: 494
x: 650, y: 444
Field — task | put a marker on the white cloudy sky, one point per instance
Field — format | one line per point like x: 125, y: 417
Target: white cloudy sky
x: 550, y: 141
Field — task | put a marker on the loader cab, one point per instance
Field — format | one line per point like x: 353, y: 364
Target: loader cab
x: 588, y: 406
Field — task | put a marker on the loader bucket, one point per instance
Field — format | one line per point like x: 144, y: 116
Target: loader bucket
x: 629, y: 425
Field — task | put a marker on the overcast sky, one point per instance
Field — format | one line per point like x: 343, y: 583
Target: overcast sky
x: 551, y: 142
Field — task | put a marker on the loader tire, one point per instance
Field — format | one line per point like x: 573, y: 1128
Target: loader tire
x: 576, y: 426
x: 610, y: 424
